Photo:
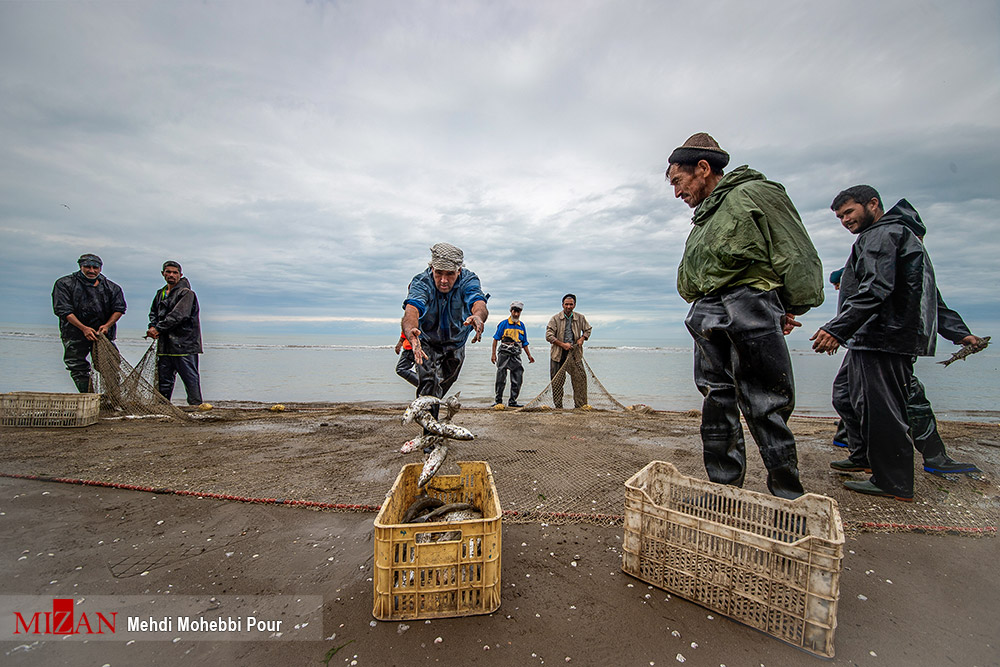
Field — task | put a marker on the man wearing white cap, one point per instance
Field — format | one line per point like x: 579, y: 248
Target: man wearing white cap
x: 443, y: 306
x: 511, y: 337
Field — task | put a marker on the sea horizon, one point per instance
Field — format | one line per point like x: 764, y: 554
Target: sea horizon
x: 320, y: 367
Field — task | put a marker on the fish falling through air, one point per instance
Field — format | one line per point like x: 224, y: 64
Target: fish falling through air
x: 437, y: 432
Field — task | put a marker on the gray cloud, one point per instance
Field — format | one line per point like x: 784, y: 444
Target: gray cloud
x: 299, y: 159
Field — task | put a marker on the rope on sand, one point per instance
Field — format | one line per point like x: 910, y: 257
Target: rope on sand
x: 601, y: 519
x: 198, y: 494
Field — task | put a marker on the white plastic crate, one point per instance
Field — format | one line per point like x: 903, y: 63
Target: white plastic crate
x: 770, y: 563
x: 36, y: 408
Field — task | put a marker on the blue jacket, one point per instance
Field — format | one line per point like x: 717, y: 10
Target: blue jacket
x: 442, y: 315
x: 515, y: 331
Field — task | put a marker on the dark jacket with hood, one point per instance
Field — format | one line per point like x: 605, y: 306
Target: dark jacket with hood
x: 889, y: 300
x: 92, y: 301
x: 175, y: 315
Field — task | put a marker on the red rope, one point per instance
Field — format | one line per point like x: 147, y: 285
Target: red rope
x: 198, y: 494
x: 376, y: 508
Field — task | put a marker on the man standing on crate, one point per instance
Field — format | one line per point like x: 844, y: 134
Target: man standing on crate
x: 443, y: 305
x: 567, y: 330
x: 748, y: 269
x: 88, y: 305
x: 175, y: 325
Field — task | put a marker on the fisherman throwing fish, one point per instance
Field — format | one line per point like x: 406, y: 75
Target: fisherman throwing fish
x: 443, y: 306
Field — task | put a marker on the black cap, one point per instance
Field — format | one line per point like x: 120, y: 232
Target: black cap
x: 700, y: 146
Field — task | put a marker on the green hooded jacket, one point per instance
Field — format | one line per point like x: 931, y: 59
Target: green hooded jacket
x: 747, y: 232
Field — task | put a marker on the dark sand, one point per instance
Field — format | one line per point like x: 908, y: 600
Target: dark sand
x: 906, y: 597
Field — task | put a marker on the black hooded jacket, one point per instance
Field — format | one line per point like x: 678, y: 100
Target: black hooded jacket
x: 175, y: 315
x: 93, y: 304
x: 889, y: 300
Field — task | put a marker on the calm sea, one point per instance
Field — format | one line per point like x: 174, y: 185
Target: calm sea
x: 318, y: 367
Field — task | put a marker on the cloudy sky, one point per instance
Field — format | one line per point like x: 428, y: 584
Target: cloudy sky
x: 299, y: 158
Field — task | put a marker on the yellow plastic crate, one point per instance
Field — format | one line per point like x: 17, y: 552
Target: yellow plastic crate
x: 770, y: 563
x: 36, y: 408
x: 459, y: 577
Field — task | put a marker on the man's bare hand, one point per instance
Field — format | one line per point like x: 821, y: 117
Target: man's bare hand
x: 788, y: 323
x: 824, y: 342
x: 413, y: 335
x: 151, y: 332
x: 477, y: 324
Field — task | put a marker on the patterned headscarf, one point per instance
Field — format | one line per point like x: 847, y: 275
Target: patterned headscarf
x: 446, y: 257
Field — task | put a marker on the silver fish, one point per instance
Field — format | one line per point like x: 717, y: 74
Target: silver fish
x: 441, y: 510
x: 421, y: 504
x: 452, y: 405
x: 420, y: 405
x: 470, y: 514
x: 432, y: 464
x: 420, y: 442
x: 966, y: 350
x: 461, y: 515
x: 453, y: 431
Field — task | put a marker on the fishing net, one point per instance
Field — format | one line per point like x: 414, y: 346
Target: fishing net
x: 575, y: 385
x: 126, y: 390
x: 555, y: 467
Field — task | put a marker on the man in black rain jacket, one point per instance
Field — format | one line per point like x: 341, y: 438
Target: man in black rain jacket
x: 923, y: 423
x: 889, y: 313
x: 88, y: 305
x: 174, y: 323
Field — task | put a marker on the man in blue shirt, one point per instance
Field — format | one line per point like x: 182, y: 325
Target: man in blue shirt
x: 511, y: 336
x: 442, y: 307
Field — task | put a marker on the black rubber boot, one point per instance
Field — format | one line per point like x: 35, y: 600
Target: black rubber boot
x: 945, y: 465
x: 784, y: 483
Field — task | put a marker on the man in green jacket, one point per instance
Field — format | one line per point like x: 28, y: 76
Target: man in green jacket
x: 748, y: 269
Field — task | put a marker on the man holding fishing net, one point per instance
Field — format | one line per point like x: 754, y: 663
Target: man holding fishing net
x: 88, y: 305
x: 174, y: 322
